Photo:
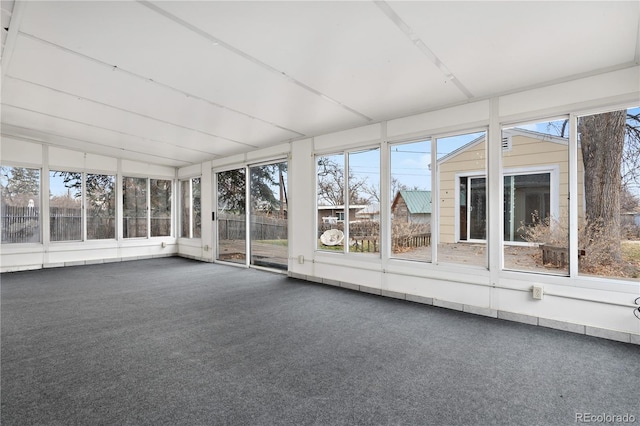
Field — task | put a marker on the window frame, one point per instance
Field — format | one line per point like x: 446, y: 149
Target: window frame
x: 192, y: 223
x: 40, y: 221
x: 346, y: 195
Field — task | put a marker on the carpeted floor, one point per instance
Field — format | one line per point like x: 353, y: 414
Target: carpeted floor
x: 177, y: 342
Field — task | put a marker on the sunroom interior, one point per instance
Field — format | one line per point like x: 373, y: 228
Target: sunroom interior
x: 277, y: 135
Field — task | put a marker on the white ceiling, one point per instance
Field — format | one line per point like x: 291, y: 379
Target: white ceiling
x: 178, y: 83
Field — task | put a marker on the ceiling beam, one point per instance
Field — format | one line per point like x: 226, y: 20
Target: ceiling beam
x: 422, y: 46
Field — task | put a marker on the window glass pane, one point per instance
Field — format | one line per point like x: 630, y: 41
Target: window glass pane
x: 101, y: 207
x: 364, y: 201
x: 461, y: 165
x: 535, y: 170
x: 160, y: 207
x: 269, y: 233
x: 20, y: 204
x: 231, y: 216
x: 197, y: 208
x: 65, y: 206
x: 134, y: 195
x: 185, y: 207
x: 411, y: 201
x: 330, y: 202
x: 527, y: 203
x: 608, y: 176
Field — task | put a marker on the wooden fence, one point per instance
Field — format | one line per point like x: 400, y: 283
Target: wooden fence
x: 233, y: 227
x: 65, y: 224
x: 412, y: 241
x: 22, y: 225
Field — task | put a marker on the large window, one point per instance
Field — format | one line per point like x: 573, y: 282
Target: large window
x: 20, y: 204
x: 364, y: 201
x: 65, y: 206
x: 160, y: 207
x: 411, y: 202
x: 191, y: 217
x: 348, y: 203
x: 461, y: 166
x: 101, y: 206
x: 609, y: 219
x: 535, y: 170
x: 330, y: 202
x: 134, y: 197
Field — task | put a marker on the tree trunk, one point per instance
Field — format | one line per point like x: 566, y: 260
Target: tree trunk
x: 602, y: 143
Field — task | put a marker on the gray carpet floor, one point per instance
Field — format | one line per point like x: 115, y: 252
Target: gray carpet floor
x: 177, y: 342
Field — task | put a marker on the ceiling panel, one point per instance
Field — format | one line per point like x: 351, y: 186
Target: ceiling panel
x: 63, y: 141
x: 90, y: 136
x: 494, y: 47
x: 134, y: 38
x: 42, y: 100
x: 349, y: 51
x: 49, y: 66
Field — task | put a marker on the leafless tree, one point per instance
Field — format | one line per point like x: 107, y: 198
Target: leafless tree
x: 331, y: 181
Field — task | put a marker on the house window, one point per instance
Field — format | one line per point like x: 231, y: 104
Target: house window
x: 160, y: 207
x: 527, y: 203
x: 609, y: 219
x: 101, y: 206
x: 65, y: 206
x: 348, y: 201
x: 191, y: 217
x: 330, y: 201
x: 20, y: 204
x: 134, y: 203
x: 462, y: 190
x: 535, y: 173
x: 364, y: 201
x: 411, y: 203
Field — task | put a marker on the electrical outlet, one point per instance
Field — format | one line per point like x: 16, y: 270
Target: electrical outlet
x: 538, y: 292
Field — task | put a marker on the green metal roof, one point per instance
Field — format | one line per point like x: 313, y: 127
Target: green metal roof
x: 417, y: 201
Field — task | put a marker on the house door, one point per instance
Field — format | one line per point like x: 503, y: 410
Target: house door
x: 473, y: 208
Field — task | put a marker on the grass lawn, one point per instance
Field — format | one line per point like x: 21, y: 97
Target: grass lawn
x: 283, y: 243
x: 631, y: 251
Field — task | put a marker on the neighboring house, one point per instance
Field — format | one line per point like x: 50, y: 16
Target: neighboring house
x: 412, y: 206
x: 335, y: 214
x: 535, y: 179
x: 370, y: 212
x: 631, y: 220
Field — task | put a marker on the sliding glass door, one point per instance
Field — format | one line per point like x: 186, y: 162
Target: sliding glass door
x: 266, y: 228
x: 473, y: 208
x: 231, y: 217
x: 268, y: 224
